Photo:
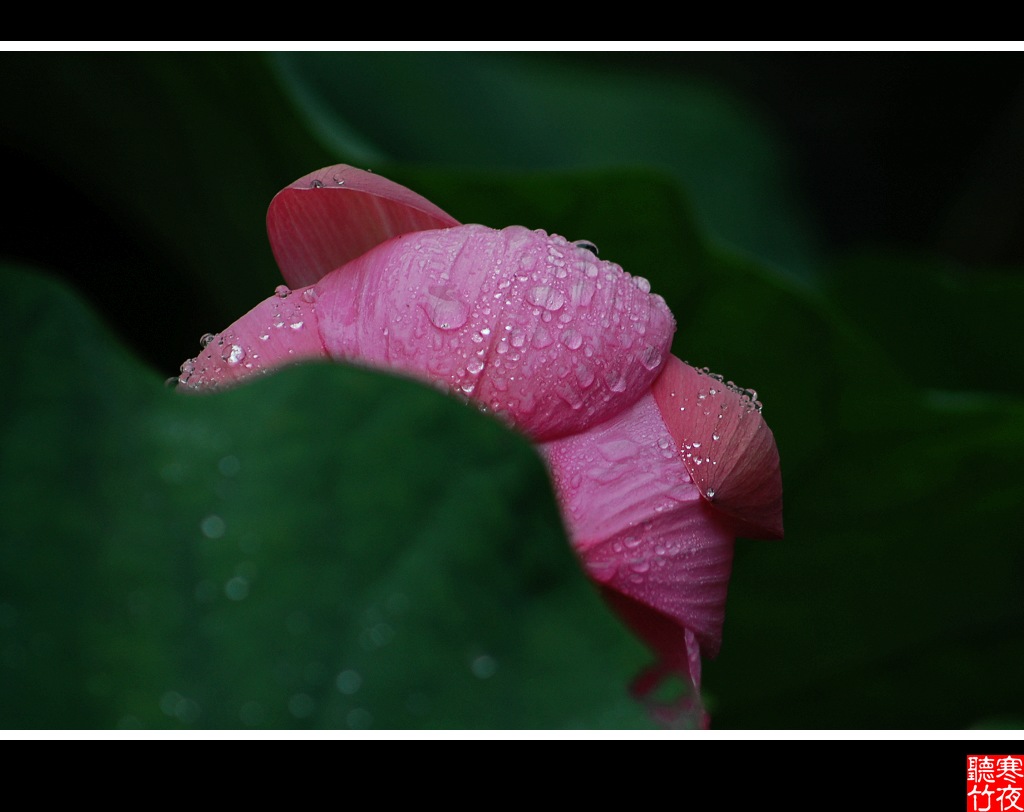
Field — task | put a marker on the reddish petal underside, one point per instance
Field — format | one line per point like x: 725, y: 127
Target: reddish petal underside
x: 726, y: 446
x: 335, y: 214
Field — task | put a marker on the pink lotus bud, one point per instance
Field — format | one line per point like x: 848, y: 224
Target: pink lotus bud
x: 657, y: 466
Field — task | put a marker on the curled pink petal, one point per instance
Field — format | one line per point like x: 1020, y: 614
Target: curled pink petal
x: 642, y: 528
x: 335, y: 214
x: 280, y: 330
x: 529, y: 326
x: 726, y: 446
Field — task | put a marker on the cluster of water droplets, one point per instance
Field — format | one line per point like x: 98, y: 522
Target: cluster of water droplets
x: 548, y: 319
x: 748, y: 397
x: 233, y: 352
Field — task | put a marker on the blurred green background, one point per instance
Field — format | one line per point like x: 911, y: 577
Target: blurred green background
x: 332, y: 547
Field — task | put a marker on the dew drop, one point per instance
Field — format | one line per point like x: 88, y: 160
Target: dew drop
x: 234, y: 356
x: 616, y: 380
x: 316, y: 184
x: 475, y: 366
x: 572, y: 339
x: 586, y: 245
x: 545, y: 296
x: 310, y: 295
x: 542, y: 338
x: 584, y: 374
x: 205, y: 340
x: 581, y: 292
x: 282, y: 291
x: 642, y: 284
x: 444, y: 309
x: 297, y: 325
x: 650, y: 358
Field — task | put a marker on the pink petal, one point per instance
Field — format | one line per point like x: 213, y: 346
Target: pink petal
x: 280, y: 330
x: 643, y: 530
x: 530, y: 326
x: 726, y: 446
x: 333, y: 215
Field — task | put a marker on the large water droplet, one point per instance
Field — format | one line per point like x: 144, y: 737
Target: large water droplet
x: 616, y: 380
x: 571, y: 339
x: 234, y: 355
x: 444, y: 309
x: 617, y: 450
x: 205, y: 340
x: 642, y: 284
x: 650, y: 358
x: 584, y: 374
x: 475, y: 366
x: 542, y: 338
x: 546, y: 296
x: 282, y: 291
x: 586, y: 245
x: 581, y: 292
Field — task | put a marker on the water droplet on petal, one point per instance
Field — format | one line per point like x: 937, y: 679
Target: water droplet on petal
x: 296, y: 326
x: 205, y: 340
x: 616, y: 380
x: 650, y: 358
x: 234, y: 355
x: 642, y: 284
x: 542, y: 338
x: 546, y: 296
x: 316, y: 184
x: 310, y: 295
x: 444, y: 309
x: 586, y: 245
x: 572, y: 339
x: 282, y: 291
